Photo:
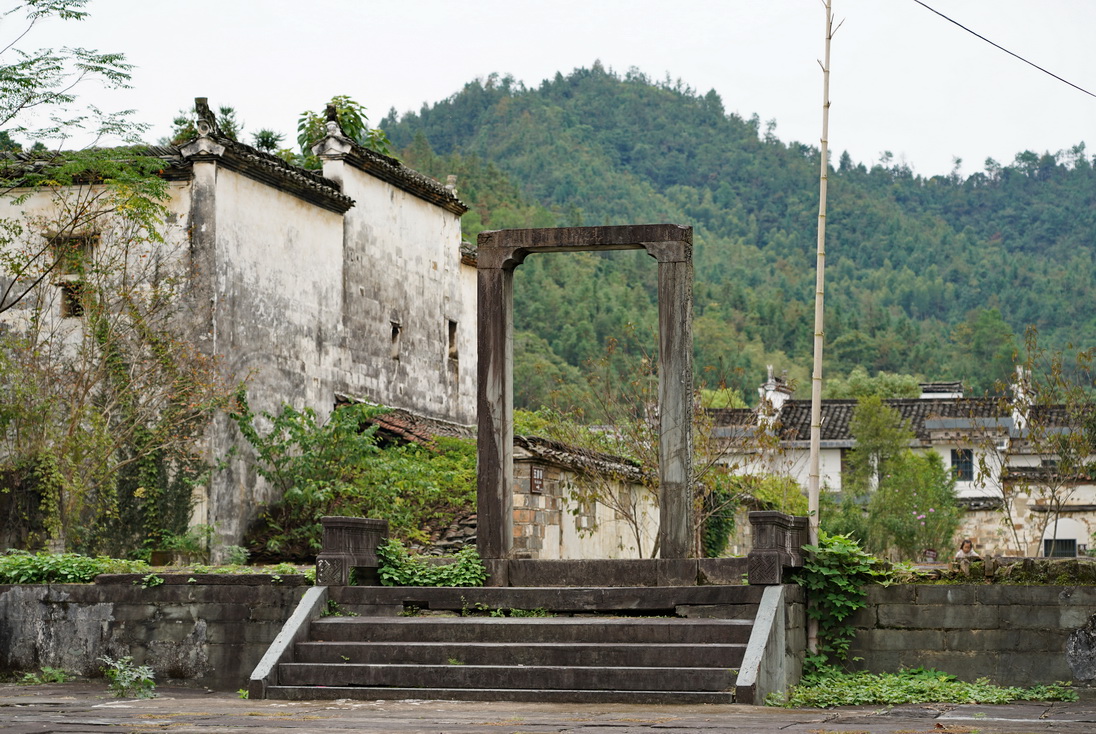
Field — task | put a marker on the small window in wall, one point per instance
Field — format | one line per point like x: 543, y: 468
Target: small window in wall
x: 72, y: 255
x: 453, y: 354
x: 72, y: 298
x: 394, y: 348
x: 962, y: 465
x: 1060, y: 547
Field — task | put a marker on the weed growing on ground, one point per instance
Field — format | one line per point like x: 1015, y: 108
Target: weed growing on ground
x: 125, y: 679
x: 832, y: 687
x: 334, y: 609
x: 45, y: 675
x: 149, y: 580
x: 400, y: 568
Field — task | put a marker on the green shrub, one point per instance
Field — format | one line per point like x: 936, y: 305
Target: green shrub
x: 337, y: 468
x: 20, y: 567
x: 400, y: 568
x: 831, y: 687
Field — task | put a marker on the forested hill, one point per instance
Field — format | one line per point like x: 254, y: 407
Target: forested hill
x: 936, y: 276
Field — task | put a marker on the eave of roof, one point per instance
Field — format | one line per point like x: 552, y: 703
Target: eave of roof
x: 308, y: 185
x: 573, y: 457
x: 406, y: 179
x: 924, y: 415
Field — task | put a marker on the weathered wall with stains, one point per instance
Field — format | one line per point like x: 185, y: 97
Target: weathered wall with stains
x: 407, y: 309
x: 302, y: 298
x: 208, y: 633
x: 275, y: 293
x: 1013, y: 635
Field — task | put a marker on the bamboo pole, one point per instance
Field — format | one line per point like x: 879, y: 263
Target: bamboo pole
x: 814, y: 475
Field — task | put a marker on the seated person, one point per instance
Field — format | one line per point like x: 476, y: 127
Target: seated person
x: 966, y: 551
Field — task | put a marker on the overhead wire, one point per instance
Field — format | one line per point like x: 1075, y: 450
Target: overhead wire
x: 1002, y: 48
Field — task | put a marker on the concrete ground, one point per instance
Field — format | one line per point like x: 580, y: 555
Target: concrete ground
x: 88, y: 707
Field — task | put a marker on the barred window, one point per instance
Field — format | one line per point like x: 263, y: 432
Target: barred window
x: 962, y: 465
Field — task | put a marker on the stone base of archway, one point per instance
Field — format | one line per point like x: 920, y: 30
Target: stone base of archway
x: 644, y: 572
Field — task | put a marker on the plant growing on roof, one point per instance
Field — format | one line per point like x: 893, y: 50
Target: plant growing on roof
x: 353, y: 121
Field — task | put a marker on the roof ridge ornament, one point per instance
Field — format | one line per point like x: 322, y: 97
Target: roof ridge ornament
x: 335, y: 142
x: 208, y: 132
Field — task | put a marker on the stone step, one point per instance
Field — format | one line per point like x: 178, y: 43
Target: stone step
x: 534, y: 695
x: 635, y: 630
x: 557, y: 599
x: 508, y: 677
x: 506, y: 653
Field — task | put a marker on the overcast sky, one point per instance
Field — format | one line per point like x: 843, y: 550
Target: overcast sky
x: 903, y: 80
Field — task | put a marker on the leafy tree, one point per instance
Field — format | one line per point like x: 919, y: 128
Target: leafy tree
x: 267, y: 140
x: 38, y: 87
x: 893, y: 500
x: 914, y: 508
x: 39, y: 102
x: 858, y: 384
x: 988, y: 347
x: 880, y: 436
x: 102, y: 395
x: 1050, y: 452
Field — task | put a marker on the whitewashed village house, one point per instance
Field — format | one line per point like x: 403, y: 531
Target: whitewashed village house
x: 312, y: 284
x: 995, y: 451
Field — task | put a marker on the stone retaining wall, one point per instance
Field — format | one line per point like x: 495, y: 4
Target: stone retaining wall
x: 1013, y: 635
x: 211, y: 632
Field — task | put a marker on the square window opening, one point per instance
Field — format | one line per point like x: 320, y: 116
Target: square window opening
x: 72, y: 299
x: 962, y: 464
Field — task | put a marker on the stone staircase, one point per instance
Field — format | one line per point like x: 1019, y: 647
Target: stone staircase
x: 635, y: 645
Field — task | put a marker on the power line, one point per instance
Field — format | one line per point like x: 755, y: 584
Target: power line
x: 1010, y: 53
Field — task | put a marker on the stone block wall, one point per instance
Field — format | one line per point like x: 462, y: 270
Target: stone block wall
x: 550, y: 523
x: 211, y: 632
x: 1013, y: 635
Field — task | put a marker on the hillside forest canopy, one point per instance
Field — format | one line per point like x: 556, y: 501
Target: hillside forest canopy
x: 935, y: 276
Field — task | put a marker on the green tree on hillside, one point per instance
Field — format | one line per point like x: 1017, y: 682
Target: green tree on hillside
x: 915, y: 261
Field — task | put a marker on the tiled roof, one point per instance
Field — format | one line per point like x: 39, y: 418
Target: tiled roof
x: 574, y: 457
x: 392, y: 171
x: 307, y: 184
x: 254, y: 163
x: 174, y: 166
x: 404, y: 426
x: 794, y: 419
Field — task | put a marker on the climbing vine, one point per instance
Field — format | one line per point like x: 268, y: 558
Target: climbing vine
x: 834, y: 575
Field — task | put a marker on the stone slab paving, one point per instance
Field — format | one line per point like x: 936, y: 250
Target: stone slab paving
x: 88, y: 708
